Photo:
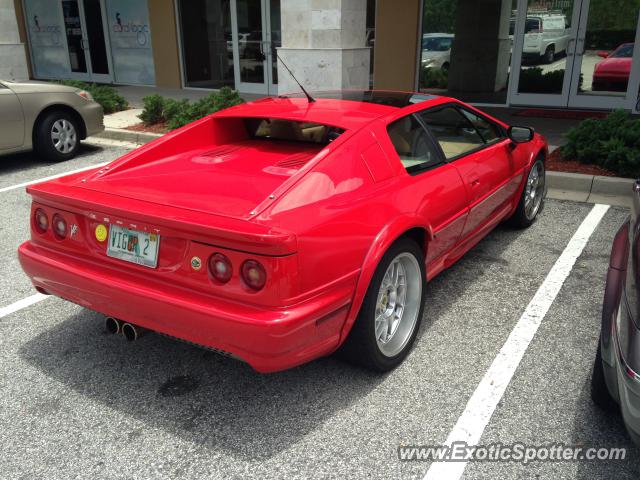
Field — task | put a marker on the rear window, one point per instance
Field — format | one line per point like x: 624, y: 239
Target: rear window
x: 291, y: 130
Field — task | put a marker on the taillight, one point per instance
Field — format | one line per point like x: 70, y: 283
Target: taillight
x: 220, y: 267
x: 59, y: 226
x: 41, y: 220
x: 254, y: 274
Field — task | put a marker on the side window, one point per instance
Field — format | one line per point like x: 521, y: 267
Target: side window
x: 487, y: 130
x: 413, y: 145
x: 452, y: 130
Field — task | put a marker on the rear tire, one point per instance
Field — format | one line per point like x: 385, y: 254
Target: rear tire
x: 532, y: 199
x: 391, y: 311
x: 599, y: 391
x: 57, y: 136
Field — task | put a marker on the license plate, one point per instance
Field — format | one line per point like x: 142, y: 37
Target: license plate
x: 133, y: 246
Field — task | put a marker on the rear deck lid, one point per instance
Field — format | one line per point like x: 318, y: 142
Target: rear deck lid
x: 228, y: 180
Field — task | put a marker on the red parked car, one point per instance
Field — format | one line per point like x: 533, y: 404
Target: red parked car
x: 280, y: 230
x: 612, y: 73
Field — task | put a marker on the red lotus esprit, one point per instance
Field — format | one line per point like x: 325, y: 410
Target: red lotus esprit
x: 280, y: 230
x: 613, y: 72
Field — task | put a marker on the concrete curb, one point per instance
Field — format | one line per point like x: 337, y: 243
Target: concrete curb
x: 123, y: 135
x: 589, y: 188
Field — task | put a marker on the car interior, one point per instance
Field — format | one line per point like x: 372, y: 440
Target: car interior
x: 291, y: 130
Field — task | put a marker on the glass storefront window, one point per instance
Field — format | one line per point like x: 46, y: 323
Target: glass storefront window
x: 608, y: 47
x: 547, y: 36
x: 370, y: 40
x: 130, y: 36
x: 73, y: 30
x: 46, y: 30
x: 207, y: 47
x: 276, y: 37
x: 466, y: 49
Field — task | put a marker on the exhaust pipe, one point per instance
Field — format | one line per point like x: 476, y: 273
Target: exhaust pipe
x: 132, y: 332
x: 113, y: 325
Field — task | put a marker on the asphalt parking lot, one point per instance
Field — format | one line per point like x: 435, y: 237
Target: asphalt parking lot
x: 76, y: 402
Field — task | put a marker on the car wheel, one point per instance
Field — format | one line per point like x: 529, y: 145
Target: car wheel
x: 391, y: 311
x: 599, y: 391
x: 445, y: 66
x: 550, y: 54
x: 532, y: 198
x: 57, y: 136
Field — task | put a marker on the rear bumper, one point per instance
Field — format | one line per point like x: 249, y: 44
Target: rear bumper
x: 266, y: 338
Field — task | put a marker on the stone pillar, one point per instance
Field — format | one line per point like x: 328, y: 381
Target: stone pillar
x: 482, y: 47
x: 13, y: 60
x: 323, y: 43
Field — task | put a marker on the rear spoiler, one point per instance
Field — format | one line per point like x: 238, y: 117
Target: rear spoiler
x: 206, y: 228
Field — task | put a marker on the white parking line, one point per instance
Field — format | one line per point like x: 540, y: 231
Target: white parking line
x: 484, y: 400
x: 90, y: 140
x: 57, y: 175
x: 20, y: 304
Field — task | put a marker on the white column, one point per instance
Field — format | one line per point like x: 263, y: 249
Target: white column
x: 323, y: 43
x: 13, y: 61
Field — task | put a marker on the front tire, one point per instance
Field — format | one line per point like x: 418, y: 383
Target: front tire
x: 549, y: 54
x: 391, y: 311
x: 532, y: 198
x: 57, y: 136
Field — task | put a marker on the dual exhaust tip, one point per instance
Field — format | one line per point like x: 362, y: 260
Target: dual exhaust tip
x: 130, y: 331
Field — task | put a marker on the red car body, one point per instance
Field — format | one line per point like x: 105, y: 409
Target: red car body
x: 318, y: 219
x: 612, y: 73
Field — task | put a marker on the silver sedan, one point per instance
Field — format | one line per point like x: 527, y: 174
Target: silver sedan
x: 47, y: 117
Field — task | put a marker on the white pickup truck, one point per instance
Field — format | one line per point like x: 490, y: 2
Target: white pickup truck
x: 546, y: 35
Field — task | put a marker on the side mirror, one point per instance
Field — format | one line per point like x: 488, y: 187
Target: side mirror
x: 603, y: 54
x: 520, y: 134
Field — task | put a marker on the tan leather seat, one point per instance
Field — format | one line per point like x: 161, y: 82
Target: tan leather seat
x: 286, y: 130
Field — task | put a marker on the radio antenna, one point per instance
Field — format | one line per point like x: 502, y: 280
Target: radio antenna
x: 310, y: 99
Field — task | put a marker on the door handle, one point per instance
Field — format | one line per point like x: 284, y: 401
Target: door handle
x: 475, y: 182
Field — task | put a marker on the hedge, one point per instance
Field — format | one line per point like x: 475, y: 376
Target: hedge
x: 612, y: 142
x: 105, y: 95
x: 176, y: 113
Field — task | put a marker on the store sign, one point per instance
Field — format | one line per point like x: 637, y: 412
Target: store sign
x: 46, y: 39
x: 130, y: 36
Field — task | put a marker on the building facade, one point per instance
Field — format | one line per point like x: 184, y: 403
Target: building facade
x: 540, y: 53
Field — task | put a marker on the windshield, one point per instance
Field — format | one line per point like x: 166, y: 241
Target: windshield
x: 436, y: 44
x: 624, y: 51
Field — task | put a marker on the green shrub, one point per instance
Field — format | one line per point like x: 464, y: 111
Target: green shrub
x: 612, y: 142
x: 105, y: 95
x: 534, y: 80
x: 177, y: 113
x: 153, y: 109
x: 434, y: 78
